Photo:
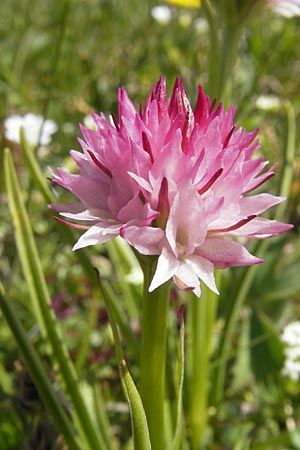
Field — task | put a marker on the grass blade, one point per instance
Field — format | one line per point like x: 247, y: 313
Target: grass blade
x: 179, y: 384
x: 37, y: 287
x: 39, y: 375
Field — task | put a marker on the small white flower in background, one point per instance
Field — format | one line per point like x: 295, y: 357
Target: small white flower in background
x: 291, y: 338
x: 32, y: 125
x: 161, y: 14
x: 291, y: 334
x: 286, y: 8
x: 268, y: 103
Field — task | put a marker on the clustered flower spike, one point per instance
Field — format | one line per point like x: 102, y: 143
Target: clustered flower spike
x: 172, y: 182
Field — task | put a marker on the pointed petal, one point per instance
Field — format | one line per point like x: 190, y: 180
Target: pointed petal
x: 204, y: 269
x: 261, y: 228
x: 186, y: 278
x: 167, y: 265
x: 256, y: 204
x: 144, y: 239
x: 141, y: 181
x: 97, y: 234
x: 224, y: 253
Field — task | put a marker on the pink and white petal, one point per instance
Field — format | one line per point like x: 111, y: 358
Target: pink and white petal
x: 89, y: 215
x: 141, y: 181
x: 204, y: 269
x: 259, y: 180
x: 126, y: 107
x: 256, y: 204
x: 148, y: 215
x: 133, y: 208
x: 225, y: 253
x: 167, y: 266
x: 186, y: 278
x: 97, y: 234
x: 90, y: 192
x: 144, y: 239
x: 260, y: 228
x: 186, y: 223
x: 71, y: 207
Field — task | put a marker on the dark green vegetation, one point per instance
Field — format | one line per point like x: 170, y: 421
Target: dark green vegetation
x: 66, y: 59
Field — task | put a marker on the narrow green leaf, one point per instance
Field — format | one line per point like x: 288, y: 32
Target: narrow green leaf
x: 39, y: 375
x: 140, y: 432
x: 121, y: 318
x: 288, y: 171
x: 141, y: 438
x: 26, y: 246
x: 39, y: 295
x: 37, y: 176
x: 112, y: 322
x: 102, y: 418
x: 91, y: 323
x: 124, y: 259
x: 179, y: 388
x: 179, y: 384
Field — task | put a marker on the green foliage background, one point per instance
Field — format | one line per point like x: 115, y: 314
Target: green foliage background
x: 66, y: 59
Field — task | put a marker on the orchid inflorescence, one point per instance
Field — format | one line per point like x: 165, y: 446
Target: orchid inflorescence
x: 173, y: 182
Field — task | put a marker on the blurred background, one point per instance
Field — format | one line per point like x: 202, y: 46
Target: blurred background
x: 63, y: 60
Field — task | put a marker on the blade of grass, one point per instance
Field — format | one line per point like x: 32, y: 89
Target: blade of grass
x: 141, y: 438
x: 35, y: 171
x: 121, y: 259
x: 85, y: 341
x: 39, y: 375
x: 102, y: 418
x: 38, y: 290
x: 179, y: 384
x: 121, y: 318
x: 289, y: 159
x: 56, y: 58
x: 140, y: 432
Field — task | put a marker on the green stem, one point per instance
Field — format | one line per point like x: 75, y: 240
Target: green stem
x: 214, y: 48
x: 228, y: 52
x: 287, y: 173
x: 202, y: 317
x: 153, y: 356
x: 56, y: 59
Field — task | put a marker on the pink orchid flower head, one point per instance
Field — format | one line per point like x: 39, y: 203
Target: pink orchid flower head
x: 173, y: 182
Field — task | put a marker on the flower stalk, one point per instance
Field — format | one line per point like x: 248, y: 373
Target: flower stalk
x: 201, y: 319
x: 153, y: 356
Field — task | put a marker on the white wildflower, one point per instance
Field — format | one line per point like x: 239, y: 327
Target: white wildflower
x: 36, y: 129
x: 162, y: 14
x: 268, y: 103
x: 291, y: 338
